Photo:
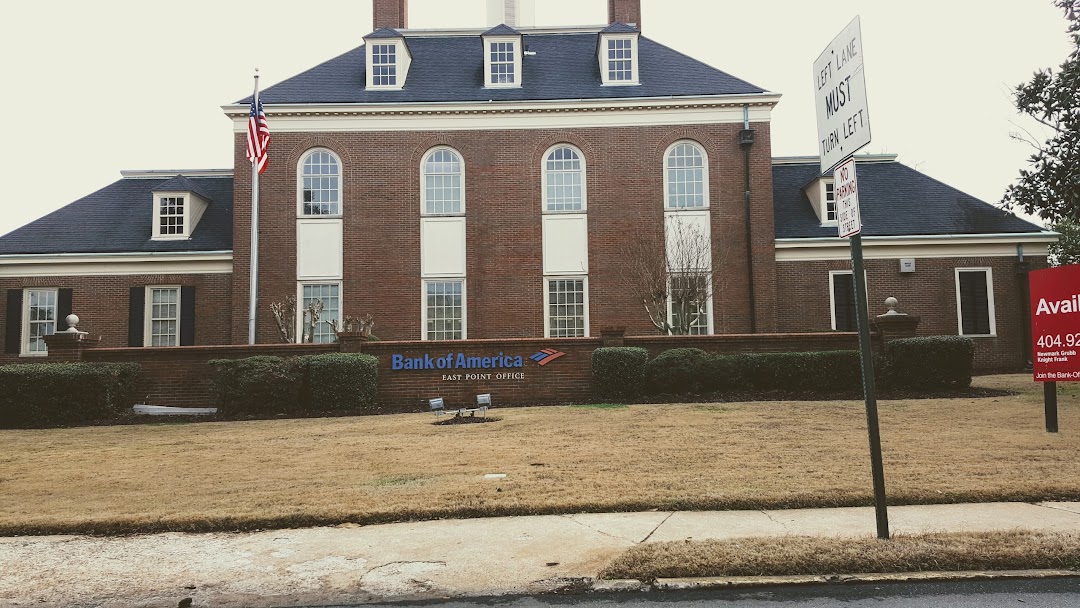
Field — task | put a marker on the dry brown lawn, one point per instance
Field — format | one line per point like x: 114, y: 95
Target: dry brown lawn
x: 283, y: 473
x: 1019, y: 550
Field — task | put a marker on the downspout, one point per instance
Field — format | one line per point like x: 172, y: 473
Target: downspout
x: 1022, y: 268
x: 746, y: 140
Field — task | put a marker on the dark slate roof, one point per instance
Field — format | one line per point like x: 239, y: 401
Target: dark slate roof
x: 501, y: 30
x: 619, y: 28
x: 451, y: 69
x: 118, y: 219
x: 183, y: 184
x: 384, y: 32
x: 894, y: 200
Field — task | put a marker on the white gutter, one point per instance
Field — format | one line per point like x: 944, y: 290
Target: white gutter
x: 128, y: 263
x: 543, y: 105
x: 1045, y: 236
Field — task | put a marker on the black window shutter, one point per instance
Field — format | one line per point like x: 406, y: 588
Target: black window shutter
x: 187, y: 316
x: 844, y: 301
x: 13, y: 336
x: 63, y: 308
x: 136, y: 310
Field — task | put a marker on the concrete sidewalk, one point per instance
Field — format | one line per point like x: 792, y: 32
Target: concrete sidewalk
x: 433, y: 559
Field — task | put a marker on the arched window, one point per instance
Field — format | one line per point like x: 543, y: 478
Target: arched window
x: 319, y: 184
x: 564, y: 179
x: 443, y: 183
x: 686, y: 176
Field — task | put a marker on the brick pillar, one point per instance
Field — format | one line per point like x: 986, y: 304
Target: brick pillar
x: 612, y: 336
x: 624, y: 11
x: 393, y: 14
x: 68, y: 347
x: 895, y: 324
x: 352, y: 342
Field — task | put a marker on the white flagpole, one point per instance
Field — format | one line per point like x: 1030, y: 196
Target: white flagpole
x: 253, y: 289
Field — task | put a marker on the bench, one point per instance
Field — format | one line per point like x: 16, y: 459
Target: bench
x: 483, y: 402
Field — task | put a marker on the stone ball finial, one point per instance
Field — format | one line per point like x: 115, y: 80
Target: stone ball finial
x: 72, y: 321
x: 891, y: 304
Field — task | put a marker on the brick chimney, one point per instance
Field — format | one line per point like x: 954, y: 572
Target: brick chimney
x: 624, y: 11
x: 390, y: 13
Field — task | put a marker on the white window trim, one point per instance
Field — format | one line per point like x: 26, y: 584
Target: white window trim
x: 300, y: 186
x: 423, y: 183
x: 300, y: 303
x: 709, y: 327
x: 148, y: 323
x: 634, y: 60
x: 544, y: 174
x: 517, y: 42
x: 989, y: 301
x: 547, y: 311
x: 825, y: 221
x: 832, y: 295
x: 402, y: 63
x: 464, y: 305
x: 24, y: 338
x: 704, y: 177
x: 156, y: 233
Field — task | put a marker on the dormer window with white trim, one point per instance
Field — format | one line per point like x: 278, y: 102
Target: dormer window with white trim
x: 618, y: 55
x: 822, y: 196
x: 502, y: 57
x: 177, y: 210
x: 828, y: 207
x: 388, y: 60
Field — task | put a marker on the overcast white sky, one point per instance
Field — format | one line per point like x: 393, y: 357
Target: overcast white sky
x: 90, y: 88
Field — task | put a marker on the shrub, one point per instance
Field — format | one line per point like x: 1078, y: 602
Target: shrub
x: 618, y: 372
x: 678, y: 371
x: 930, y: 362
x: 819, y: 372
x: 341, y: 381
x: 55, y: 394
x: 259, y: 385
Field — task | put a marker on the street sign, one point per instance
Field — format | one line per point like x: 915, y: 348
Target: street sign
x: 1055, y: 323
x: 846, y: 189
x: 843, y: 120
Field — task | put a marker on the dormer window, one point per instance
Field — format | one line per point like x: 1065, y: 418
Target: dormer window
x: 502, y: 57
x: 388, y: 59
x: 384, y: 65
x: 828, y: 214
x: 618, y: 55
x: 178, y: 207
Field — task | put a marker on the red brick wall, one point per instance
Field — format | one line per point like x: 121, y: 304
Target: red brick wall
x: 381, y: 207
x: 929, y: 292
x: 180, y: 376
x: 101, y: 302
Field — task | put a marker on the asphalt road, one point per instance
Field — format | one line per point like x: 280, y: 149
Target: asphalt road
x: 1046, y: 593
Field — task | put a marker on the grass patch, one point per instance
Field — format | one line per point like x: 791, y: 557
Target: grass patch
x: 324, y: 471
x: 791, y: 555
x: 601, y: 406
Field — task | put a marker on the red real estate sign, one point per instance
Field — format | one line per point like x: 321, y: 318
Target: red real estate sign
x: 1055, y: 323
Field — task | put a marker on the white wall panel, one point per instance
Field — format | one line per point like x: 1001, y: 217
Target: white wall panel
x: 566, y: 244
x: 318, y: 249
x: 442, y: 246
x: 688, y: 231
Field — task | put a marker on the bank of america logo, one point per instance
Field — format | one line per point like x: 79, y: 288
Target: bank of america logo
x: 547, y: 356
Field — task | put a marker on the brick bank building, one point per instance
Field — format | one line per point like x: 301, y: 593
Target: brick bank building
x: 483, y: 185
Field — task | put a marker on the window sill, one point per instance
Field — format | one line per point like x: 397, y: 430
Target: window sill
x: 45, y: 354
x: 171, y: 238
x: 581, y: 211
x: 979, y: 335
x: 337, y: 216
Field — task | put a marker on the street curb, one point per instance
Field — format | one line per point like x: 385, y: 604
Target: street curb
x: 738, y: 582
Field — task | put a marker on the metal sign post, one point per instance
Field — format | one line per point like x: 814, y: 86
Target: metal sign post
x: 844, y: 128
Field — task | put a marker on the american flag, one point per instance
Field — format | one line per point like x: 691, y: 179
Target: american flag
x: 258, y: 136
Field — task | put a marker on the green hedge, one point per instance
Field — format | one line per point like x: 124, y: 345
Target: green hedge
x: 678, y: 371
x: 618, y: 372
x: 56, y: 394
x: 265, y: 385
x: 341, y: 381
x: 930, y: 362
